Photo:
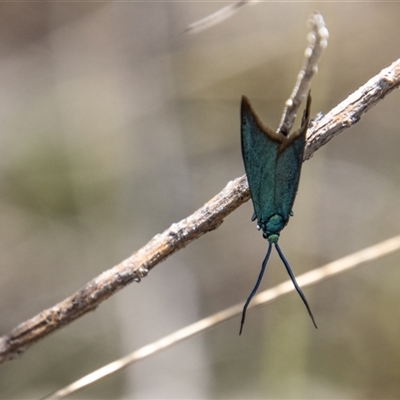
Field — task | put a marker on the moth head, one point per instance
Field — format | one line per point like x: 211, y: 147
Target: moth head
x: 272, y: 238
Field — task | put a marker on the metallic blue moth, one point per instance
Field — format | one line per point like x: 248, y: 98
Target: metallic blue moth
x: 273, y: 164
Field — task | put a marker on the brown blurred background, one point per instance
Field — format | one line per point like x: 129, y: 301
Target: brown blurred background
x: 114, y: 125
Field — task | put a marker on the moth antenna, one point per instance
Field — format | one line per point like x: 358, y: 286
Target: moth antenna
x: 297, y: 287
x: 254, y: 291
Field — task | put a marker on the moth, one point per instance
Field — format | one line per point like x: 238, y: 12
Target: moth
x: 273, y: 164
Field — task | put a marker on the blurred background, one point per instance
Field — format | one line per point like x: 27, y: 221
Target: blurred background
x: 114, y: 125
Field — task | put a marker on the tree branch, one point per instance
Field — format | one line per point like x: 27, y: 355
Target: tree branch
x: 134, y: 268
x: 179, y: 235
x: 348, y: 112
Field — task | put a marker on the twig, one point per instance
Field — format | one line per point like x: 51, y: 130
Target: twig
x: 179, y: 235
x: 318, y: 40
x: 309, y: 278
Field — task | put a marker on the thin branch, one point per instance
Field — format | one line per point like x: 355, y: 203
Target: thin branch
x: 318, y: 40
x: 309, y: 278
x: 179, y: 235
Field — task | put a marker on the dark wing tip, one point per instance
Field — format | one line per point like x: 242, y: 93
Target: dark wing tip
x: 245, y: 106
x: 306, y: 113
x: 249, y: 115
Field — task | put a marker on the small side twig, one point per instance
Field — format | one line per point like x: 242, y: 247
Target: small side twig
x: 318, y: 40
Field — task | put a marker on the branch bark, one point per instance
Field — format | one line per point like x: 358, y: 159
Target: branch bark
x: 349, y: 111
x: 179, y: 235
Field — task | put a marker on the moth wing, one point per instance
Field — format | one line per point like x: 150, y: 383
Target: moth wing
x: 288, y: 168
x: 260, y: 151
x: 288, y: 165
